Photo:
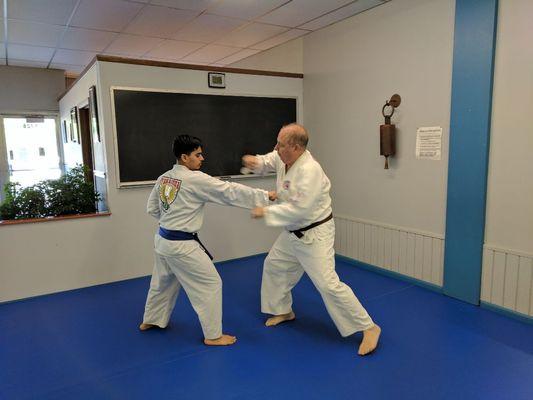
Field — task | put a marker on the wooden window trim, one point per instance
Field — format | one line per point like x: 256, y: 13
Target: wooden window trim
x: 50, y: 219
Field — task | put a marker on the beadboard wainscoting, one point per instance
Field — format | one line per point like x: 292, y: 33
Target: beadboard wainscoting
x: 408, y: 252
x: 507, y: 279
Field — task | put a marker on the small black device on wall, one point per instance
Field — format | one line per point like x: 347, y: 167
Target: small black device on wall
x: 216, y: 80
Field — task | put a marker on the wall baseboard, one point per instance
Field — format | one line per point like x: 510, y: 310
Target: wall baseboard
x: 359, y: 264
x: 492, y: 307
x: 390, y: 274
x: 508, y: 313
x: 259, y: 255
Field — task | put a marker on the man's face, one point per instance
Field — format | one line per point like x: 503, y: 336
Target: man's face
x: 286, y: 151
x: 194, y: 160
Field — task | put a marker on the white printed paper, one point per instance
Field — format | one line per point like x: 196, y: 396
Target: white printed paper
x: 428, y: 143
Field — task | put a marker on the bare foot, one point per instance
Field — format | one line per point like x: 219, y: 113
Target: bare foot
x: 278, y: 319
x: 145, y: 327
x: 370, y: 340
x: 224, y: 340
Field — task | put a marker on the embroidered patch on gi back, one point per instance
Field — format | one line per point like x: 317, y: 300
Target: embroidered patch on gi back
x: 168, y: 190
x: 286, y: 185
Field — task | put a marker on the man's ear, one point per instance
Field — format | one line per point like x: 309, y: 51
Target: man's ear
x: 183, y: 157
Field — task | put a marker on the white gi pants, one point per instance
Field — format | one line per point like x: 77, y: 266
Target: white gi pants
x: 285, y: 264
x: 183, y: 263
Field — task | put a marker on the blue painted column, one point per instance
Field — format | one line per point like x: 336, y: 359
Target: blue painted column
x: 471, y: 103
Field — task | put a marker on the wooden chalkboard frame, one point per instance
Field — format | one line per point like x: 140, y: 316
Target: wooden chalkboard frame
x: 122, y: 185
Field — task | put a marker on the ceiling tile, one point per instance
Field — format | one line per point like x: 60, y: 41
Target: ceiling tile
x: 160, y: 21
x: 198, y: 5
x: 68, y: 68
x: 73, y: 57
x: 238, y: 56
x: 298, y: 12
x: 33, y: 33
x: 86, y: 39
x: 249, y: 9
x: 24, y: 63
x: 279, y: 39
x: 116, y: 16
x: 173, y: 50
x: 49, y: 12
x: 211, y: 53
x: 132, y: 45
x: 250, y: 34
x: 341, y: 13
x: 29, y: 53
x: 207, y: 28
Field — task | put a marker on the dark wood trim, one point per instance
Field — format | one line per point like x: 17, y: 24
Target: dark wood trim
x: 164, y: 64
x: 49, y: 219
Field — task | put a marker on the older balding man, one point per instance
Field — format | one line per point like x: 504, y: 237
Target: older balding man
x: 306, y: 243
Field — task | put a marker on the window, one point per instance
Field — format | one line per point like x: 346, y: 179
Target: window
x: 30, y: 150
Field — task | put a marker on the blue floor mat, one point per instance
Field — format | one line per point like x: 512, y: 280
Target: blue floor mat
x: 84, y: 344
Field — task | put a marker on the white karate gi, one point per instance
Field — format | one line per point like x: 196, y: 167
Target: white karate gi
x: 178, y: 200
x: 304, y: 198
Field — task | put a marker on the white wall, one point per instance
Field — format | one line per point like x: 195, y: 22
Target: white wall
x: 508, y: 258
x: 395, y: 219
x: 350, y: 69
x: 229, y: 233
x: 60, y: 255
x: 510, y: 186
x: 30, y: 89
x: 392, y: 218
x: 47, y: 257
x: 285, y: 58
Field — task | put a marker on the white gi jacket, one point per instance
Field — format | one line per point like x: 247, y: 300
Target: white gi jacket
x: 303, y: 191
x: 179, y: 196
x: 304, y: 195
x: 178, y: 201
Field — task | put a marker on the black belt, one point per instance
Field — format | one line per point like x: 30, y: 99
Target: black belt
x: 299, y: 232
x: 180, y: 235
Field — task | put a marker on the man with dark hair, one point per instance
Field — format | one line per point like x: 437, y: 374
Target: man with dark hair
x: 177, y: 201
x: 306, y: 243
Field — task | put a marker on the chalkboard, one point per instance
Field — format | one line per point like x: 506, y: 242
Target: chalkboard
x: 229, y: 126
